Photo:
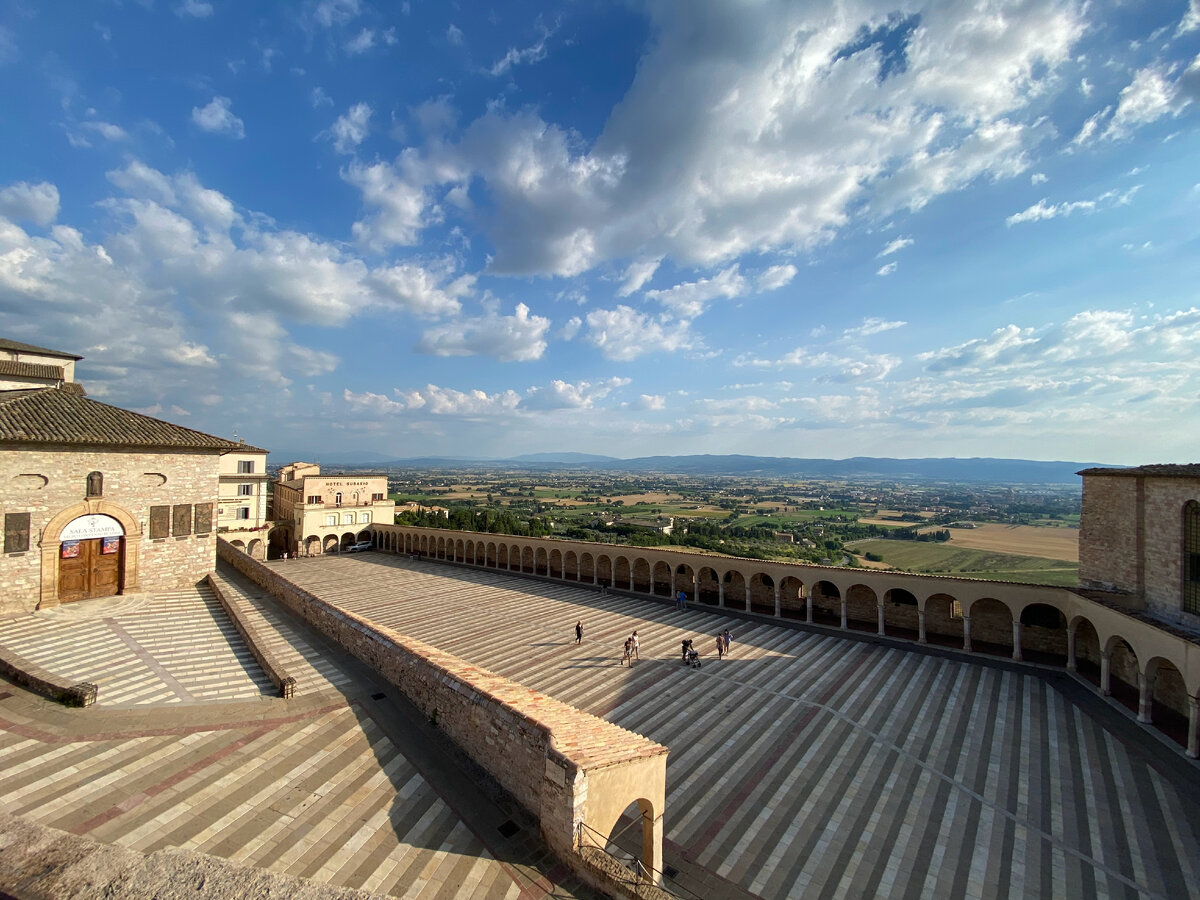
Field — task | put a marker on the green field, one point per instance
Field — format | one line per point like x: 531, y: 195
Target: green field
x: 938, y: 559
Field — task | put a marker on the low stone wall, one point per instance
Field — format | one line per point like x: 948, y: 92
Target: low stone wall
x: 284, y: 683
x: 31, y: 675
x: 42, y: 863
x: 537, y: 748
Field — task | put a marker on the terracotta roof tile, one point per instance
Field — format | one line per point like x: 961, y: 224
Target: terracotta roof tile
x: 62, y: 416
x: 31, y: 370
x: 6, y: 344
x: 1160, y: 470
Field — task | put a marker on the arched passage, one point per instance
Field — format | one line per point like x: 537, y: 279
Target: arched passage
x: 900, y: 615
x: 793, y: 599
x: 662, y: 579
x: 827, y: 603
x: 641, y: 576
x: 1168, y: 699
x: 735, y: 590
x: 1122, y: 681
x: 622, y: 578
x: 762, y: 594
x: 1044, y: 634
x: 862, y: 608
x: 708, y: 589
x: 943, y: 621
x: 685, y: 581
x: 991, y: 627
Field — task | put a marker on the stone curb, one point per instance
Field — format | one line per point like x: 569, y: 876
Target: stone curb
x: 35, y: 678
x: 284, y: 683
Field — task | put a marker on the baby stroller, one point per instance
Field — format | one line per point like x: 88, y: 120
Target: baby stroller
x: 690, y: 656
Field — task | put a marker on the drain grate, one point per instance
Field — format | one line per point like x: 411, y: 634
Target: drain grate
x: 378, y: 696
x: 509, y: 828
x: 670, y: 871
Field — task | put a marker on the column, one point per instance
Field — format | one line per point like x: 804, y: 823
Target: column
x: 674, y: 590
x: 747, y: 596
x: 1193, y: 740
x: 777, y: 602
x: 967, y: 633
x: 1072, y: 666
x: 721, y: 594
x: 1105, y: 674
x: 808, y: 609
x: 1145, y: 697
x: 843, y: 613
x: 1017, y: 640
x: 879, y: 607
x: 921, y: 627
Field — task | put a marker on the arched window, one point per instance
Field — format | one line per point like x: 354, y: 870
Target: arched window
x: 95, y: 484
x: 1191, y: 557
x: 338, y: 498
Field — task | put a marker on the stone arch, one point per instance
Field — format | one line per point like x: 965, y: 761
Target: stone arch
x: 991, y: 626
x: 238, y: 545
x: 1123, y: 672
x: 708, y: 588
x: 943, y: 620
x: 1043, y: 634
x: 1168, y: 698
x: 762, y: 594
x: 641, y: 576
x: 622, y: 573
x: 685, y: 580
x: 900, y: 614
x: 541, y: 562
x: 587, y: 568
x: 571, y: 566
x: 527, y: 560
x: 793, y: 599
x: 255, y: 549
x: 331, y: 544
x: 556, y: 563
x: 616, y: 830
x: 604, y: 569
x: 348, y: 539
x: 129, y: 577
x: 827, y: 603
x: 862, y: 608
x: 312, y: 545
x: 661, y: 579
x: 503, y: 556
x: 735, y: 589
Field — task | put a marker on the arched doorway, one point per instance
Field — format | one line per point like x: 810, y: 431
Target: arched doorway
x: 91, y: 558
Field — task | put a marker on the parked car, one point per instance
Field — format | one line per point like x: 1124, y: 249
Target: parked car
x: 360, y: 546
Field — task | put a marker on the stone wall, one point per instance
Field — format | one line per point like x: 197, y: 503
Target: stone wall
x: 46, y: 481
x: 539, y: 749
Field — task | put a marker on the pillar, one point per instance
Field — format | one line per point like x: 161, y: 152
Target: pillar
x: 1145, y: 697
x: 967, y: 633
x: 921, y: 626
x: 747, y: 607
x: 879, y: 608
x: 1193, y: 739
x: 721, y: 594
x: 1105, y: 675
x: 1072, y: 666
x: 652, y: 850
x: 843, y: 614
x: 777, y: 602
x: 808, y: 609
x: 1017, y: 640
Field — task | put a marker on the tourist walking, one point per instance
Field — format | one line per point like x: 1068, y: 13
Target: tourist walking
x: 635, y: 646
x: 625, y: 656
x: 681, y: 600
x: 720, y: 646
x: 579, y: 632
x: 728, y: 635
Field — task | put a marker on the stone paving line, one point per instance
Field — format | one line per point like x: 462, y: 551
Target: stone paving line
x: 334, y: 785
x: 810, y: 765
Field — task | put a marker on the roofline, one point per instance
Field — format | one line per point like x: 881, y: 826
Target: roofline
x: 6, y: 344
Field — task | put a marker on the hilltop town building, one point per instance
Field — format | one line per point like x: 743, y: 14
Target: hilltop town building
x: 96, y: 500
x: 242, y: 501
x: 318, y: 513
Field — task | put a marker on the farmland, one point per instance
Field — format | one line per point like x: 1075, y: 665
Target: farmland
x: 964, y: 562
x: 1060, y: 543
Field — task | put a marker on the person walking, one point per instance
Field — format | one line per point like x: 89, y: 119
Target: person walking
x: 635, y: 646
x: 728, y: 635
x: 579, y: 632
x: 720, y: 645
x: 625, y: 656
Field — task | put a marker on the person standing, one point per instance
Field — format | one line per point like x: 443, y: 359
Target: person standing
x: 720, y: 645
x: 635, y: 646
x: 625, y: 656
x: 579, y: 632
x: 728, y: 639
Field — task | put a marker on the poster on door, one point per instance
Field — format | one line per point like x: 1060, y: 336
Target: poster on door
x: 70, y: 550
x: 109, y: 545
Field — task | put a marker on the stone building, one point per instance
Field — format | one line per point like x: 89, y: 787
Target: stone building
x: 96, y: 500
x: 325, y: 513
x: 242, y: 500
x: 1140, y: 536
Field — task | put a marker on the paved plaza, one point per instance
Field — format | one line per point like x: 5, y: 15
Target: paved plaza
x: 803, y: 765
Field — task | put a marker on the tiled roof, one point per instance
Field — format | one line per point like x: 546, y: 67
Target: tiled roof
x: 61, y: 416
x: 1162, y: 470
x: 6, y: 344
x: 31, y: 370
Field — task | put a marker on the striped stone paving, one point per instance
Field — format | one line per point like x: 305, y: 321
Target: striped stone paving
x: 332, y: 786
x: 807, y: 765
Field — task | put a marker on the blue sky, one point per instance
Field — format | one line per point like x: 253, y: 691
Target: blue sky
x: 775, y: 228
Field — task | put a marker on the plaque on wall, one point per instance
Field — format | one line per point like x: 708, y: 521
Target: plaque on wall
x: 16, y: 532
x: 203, y: 518
x: 181, y: 519
x: 160, y: 522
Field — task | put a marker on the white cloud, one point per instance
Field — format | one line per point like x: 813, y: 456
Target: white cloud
x: 335, y: 12
x: 218, y: 118
x: 1190, y: 20
x: 1038, y: 178
x: 1145, y: 99
x: 639, y: 272
x: 650, y: 402
x: 514, y: 57
x: 570, y: 328
x: 400, y: 201
x: 8, y: 47
x: 689, y: 299
x: 350, y: 129
x: 454, y: 35
x: 420, y: 291
x: 843, y: 369
x: 319, y: 98
x: 887, y: 269
x: 625, y: 334
x: 198, y: 9
x: 517, y: 338
x: 895, y: 246
x: 565, y: 395
x: 872, y: 326
x: 1043, y: 210
x: 776, y: 277
x: 37, y: 203
x: 106, y: 130
x: 361, y: 42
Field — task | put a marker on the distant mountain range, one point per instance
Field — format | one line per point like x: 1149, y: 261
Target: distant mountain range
x: 979, y: 469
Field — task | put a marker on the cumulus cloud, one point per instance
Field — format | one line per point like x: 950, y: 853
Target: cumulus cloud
x: 350, y: 129
x: 517, y: 338
x: 335, y: 12
x: 106, y: 130
x: 197, y: 9
x: 361, y: 42
x: 566, y: 395
x: 218, y: 118
x: 639, y: 272
x: 1149, y: 97
x: 37, y: 203
x: 625, y: 334
x: 690, y: 298
x: 1043, y: 210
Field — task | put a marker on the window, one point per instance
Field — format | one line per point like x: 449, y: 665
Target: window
x: 348, y: 519
x: 365, y: 518
x: 16, y: 532
x: 243, y: 512
x: 315, y: 499
x: 331, y: 520
x: 245, y: 490
x: 1191, y: 557
x: 377, y: 496
x: 337, y: 498
x: 245, y: 467
x: 160, y: 522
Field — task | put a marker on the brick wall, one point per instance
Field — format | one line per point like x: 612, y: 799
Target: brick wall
x: 44, y: 481
x: 1108, y: 533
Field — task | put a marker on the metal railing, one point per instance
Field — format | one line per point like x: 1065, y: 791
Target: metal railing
x: 628, y: 870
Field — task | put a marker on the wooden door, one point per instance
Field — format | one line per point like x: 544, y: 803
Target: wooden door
x: 85, y: 570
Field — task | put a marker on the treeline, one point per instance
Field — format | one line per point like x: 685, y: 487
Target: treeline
x: 490, y: 521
